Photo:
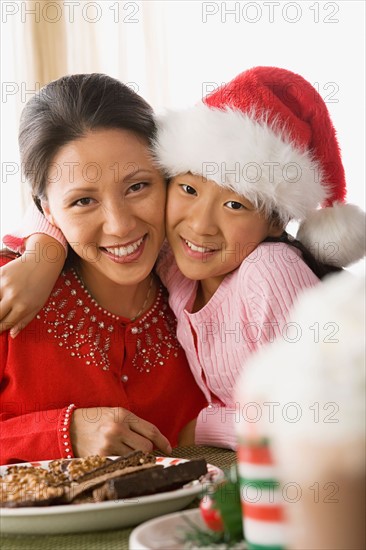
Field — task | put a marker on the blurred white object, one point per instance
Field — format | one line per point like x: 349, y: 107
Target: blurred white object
x: 309, y: 387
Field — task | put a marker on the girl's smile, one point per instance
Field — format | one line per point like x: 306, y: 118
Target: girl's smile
x: 198, y: 251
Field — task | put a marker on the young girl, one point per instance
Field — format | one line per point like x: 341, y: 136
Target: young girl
x: 257, y: 153
x: 99, y: 370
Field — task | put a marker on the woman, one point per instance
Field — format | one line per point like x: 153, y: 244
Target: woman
x: 99, y: 370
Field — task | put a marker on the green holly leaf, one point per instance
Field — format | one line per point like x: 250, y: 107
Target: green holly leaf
x: 226, y: 499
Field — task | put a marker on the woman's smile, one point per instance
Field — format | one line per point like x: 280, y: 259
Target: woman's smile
x: 125, y: 253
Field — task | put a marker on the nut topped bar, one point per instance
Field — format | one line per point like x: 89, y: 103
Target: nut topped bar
x: 93, y: 479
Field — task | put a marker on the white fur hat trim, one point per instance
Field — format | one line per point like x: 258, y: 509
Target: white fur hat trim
x: 242, y: 153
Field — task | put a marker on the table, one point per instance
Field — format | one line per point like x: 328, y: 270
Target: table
x: 110, y: 540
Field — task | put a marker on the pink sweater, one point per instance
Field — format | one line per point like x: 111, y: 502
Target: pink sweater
x: 33, y: 222
x: 249, y: 309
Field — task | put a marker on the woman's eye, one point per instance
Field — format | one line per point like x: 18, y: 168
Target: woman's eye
x: 137, y: 187
x: 188, y: 189
x: 234, y: 205
x: 85, y: 201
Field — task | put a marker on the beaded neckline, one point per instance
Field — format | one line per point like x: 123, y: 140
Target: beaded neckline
x: 81, y: 326
x: 125, y: 320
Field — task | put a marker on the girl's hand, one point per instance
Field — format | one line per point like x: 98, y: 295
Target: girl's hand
x: 26, y: 282
x: 115, y: 431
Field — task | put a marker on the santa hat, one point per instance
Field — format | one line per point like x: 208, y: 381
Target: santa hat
x: 267, y: 135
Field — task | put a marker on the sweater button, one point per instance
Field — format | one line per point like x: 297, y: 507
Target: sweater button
x: 124, y: 378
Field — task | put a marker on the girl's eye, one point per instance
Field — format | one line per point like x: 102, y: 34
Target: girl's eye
x: 85, y: 201
x: 137, y: 187
x: 188, y: 189
x: 234, y: 205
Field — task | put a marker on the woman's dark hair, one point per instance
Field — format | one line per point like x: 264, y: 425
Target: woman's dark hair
x: 66, y: 109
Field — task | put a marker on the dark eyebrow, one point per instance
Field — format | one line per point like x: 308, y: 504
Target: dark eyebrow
x: 83, y: 190
x: 127, y: 177
x: 137, y: 172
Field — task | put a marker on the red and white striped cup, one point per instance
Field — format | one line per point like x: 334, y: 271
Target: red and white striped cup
x: 261, y: 496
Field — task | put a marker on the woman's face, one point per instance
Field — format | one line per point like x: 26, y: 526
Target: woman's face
x: 108, y: 199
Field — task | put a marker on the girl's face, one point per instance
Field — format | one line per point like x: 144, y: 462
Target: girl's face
x: 210, y: 229
x: 108, y: 199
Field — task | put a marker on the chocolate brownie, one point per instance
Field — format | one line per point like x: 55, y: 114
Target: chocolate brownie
x: 153, y: 481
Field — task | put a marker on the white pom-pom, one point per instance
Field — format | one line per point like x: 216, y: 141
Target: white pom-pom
x: 335, y: 235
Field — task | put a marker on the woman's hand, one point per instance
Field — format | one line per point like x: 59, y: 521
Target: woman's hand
x: 110, y: 431
x: 26, y: 282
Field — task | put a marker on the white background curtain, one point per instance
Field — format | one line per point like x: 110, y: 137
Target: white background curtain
x: 173, y: 52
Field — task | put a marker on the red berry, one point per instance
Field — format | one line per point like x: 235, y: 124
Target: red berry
x: 210, y: 515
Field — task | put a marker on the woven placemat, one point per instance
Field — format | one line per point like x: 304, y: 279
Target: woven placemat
x: 101, y: 540
x: 222, y: 458
x: 110, y: 540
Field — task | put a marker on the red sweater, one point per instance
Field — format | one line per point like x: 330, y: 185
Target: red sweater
x: 76, y: 352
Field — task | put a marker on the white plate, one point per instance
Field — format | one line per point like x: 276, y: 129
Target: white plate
x: 167, y: 532
x: 164, y: 533
x: 72, y: 518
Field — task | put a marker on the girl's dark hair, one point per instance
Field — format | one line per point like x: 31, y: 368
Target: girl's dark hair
x: 317, y: 267
x: 66, y: 109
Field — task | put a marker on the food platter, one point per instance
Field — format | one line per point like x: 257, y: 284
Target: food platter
x: 72, y: 518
